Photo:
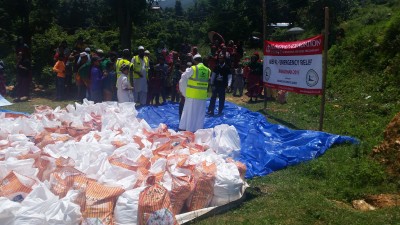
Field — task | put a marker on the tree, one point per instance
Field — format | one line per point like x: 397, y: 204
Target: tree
x: 127, y: 11
x: 178, y: 8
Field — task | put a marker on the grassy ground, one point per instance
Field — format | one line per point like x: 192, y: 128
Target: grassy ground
x: 315, y: 192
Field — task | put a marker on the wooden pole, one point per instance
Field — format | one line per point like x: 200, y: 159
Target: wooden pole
x: 264, y: 6
x: 324, y: 69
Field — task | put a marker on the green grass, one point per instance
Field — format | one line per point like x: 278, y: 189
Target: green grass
x: 320, y: 191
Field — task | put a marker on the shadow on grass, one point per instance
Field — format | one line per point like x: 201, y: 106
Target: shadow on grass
x: 279, y: 120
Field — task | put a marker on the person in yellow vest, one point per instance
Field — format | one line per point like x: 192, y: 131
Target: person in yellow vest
x: 193, y: 85
x: 140, y: 75
x: 126, y: 55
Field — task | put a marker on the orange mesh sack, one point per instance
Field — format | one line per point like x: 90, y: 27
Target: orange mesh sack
x: 202, y: 186
x: 181, y: 190
x: 62, y: 179
x: 16, y: 186
x: 100, y: 203
x: 155, y: 205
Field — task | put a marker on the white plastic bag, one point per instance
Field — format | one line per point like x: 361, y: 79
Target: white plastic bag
x: 228, y: 184
x: 126, y: 208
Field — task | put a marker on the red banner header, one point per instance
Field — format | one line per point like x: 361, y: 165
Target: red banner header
x: 311, y: 46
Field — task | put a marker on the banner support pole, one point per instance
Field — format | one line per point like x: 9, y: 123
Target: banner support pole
x: 264, y: 6
x: 324, y: 69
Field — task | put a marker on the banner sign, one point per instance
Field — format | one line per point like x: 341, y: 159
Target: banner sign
x: 294, y: 66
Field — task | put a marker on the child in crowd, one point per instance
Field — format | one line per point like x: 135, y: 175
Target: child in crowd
x: 124, y: 89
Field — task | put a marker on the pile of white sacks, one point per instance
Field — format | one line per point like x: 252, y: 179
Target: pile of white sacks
x: 100, y: 164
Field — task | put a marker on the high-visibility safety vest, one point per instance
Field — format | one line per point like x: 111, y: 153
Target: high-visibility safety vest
x: 118, y: 66
x: 137, y: 67
x: 198, y: 82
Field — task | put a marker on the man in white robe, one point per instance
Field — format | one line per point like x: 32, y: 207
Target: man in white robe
x: 194, y: 110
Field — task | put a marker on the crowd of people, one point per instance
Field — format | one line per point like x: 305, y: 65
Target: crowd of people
x: 100, y: 76
x: 132, y: 76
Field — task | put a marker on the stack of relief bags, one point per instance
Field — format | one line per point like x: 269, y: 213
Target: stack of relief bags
x: 100, y: 164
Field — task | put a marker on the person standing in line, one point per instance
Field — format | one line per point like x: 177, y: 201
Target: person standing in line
x: 154, y: 85
x: 24, y: 77
x: 109, y: 82
x: 96, y: 81
x: 253, y: 79
x: 193, y: 86
x: 69, y: 70
x: 59, y: 68
x: 124, y: 88
x: 140, y: 75
x: 161, y: 69
x: 238, y: 81
x: 126, y: 55
x: 83, y: 76
x: 221, y: 79
x: 176, y: 76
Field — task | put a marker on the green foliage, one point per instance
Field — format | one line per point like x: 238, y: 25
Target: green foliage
x: 44, y: 46
x: 47, y: 76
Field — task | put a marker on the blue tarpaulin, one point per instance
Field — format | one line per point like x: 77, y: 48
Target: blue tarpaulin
x: 265, y: 147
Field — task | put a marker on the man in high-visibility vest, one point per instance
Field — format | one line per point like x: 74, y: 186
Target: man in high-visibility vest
x: 140, y: 75
x: 194, y: 85
x: 124, y: 61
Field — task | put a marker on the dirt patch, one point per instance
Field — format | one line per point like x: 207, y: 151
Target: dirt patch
x: 388, y: 152
x: 383, y: 200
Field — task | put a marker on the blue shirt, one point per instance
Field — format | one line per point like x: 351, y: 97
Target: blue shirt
x: 96, y: 77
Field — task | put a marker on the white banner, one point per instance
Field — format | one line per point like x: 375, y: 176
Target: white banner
x: 294, y: 66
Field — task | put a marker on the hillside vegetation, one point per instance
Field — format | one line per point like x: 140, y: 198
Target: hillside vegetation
x: 363, y: 89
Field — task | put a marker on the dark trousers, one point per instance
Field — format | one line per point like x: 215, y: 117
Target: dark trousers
x: 81, y: 91
x: 181, y: 105
x: 220, y: 92
x: 175, y: 96
x: 60, y: 88
x: 96, y: 95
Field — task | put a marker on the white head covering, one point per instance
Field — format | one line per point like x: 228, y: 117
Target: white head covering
x: 141, y: 48
x: 196, y: 56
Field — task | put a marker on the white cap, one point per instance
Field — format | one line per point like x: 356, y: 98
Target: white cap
x: 87, y: 49
x: 147, y: 52
x: 196, y: 56
x: 82, y: 54
x: 100, y: 51
x: 141, y: 48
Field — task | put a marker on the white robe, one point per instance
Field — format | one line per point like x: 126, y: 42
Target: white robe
x: 123, y: 92
x: 140, y: 84
x: 194, y: 110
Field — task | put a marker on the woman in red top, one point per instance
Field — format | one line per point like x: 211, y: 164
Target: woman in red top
x: 254, y: 78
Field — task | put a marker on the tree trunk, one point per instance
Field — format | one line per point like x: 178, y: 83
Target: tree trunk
x: 124, y: 23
